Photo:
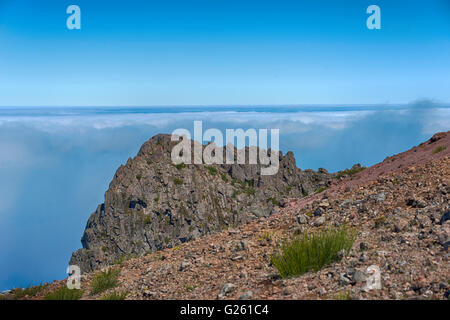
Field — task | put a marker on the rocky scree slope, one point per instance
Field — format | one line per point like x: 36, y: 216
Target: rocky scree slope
x: 153, y: 204
x: 403, y: 220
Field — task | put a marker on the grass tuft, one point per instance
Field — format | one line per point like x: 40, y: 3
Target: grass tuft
x: 64, y: 293
x: 105, y: 280
x: 311, y: 252
x: 439, y: 149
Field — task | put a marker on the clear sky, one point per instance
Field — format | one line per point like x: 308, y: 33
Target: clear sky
x: 220, y: 52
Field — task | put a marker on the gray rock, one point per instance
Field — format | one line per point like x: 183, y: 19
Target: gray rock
x: 363, y: 246
x: 319, y: 211
x: 226, y: 289
x: 380, y: 197
x: 246, y: 295
x: 319, y: 221
x: 350, y: 271
x: 184, y: 265
x: 302, y: 219
x: 359, y: 276
x: 343, y: 280
x: 238, y: 246
x: 445, y: 217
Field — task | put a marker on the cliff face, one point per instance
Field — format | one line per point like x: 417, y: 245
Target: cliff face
x: 152, y: 204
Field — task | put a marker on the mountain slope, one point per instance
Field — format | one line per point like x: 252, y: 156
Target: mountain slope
x: 403, y: 220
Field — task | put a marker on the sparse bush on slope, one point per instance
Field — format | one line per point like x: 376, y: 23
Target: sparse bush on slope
x: 311, y: 252
x: 105, y: 280
x: 64, y: 293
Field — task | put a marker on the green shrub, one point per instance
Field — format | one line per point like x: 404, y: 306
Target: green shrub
x: 319, y: 190
x: 180, y: 166
x: 125, y: 257
x: 224, y: 177
x: 64, y: 293
x: 250, y: 191
x: 343, y: 295
x: 380, y: 221
x: 105, y: 280
x: 29, y: 291
x: 212, y: 170
x: 355, y: 169
x: 115, y: 296
x: 148, y: 219
x: 178, y: 181
x: 138, y: 176
x: 439, y: 149
x: 311, y: 252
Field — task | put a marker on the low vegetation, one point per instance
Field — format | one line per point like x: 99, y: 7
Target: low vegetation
x: 212, y: 170
x: 180, y: 166
x: 311, y: 252
x: 105, y: 280
x: 126, y: 257
x: 178, y: 181
x: 29, y: 291
x: 342, y: 295
x: 379, y: 221
x: 64, y: 293
x: 224, y: 177
x: 321, y: 189
x: 115, y: 296
x: 439, y: 149
x: 349, y: 172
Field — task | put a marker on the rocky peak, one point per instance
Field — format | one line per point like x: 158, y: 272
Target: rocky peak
x: 153, y: 204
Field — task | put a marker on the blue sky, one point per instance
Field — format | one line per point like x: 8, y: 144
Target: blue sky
x: 217, y: 52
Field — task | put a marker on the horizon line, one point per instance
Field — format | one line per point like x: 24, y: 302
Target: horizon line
x: 434, y: 102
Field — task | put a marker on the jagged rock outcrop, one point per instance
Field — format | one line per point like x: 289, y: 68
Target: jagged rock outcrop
x: 153, y: 204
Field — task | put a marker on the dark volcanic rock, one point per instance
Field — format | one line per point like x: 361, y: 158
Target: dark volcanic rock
x: 152, y: 204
